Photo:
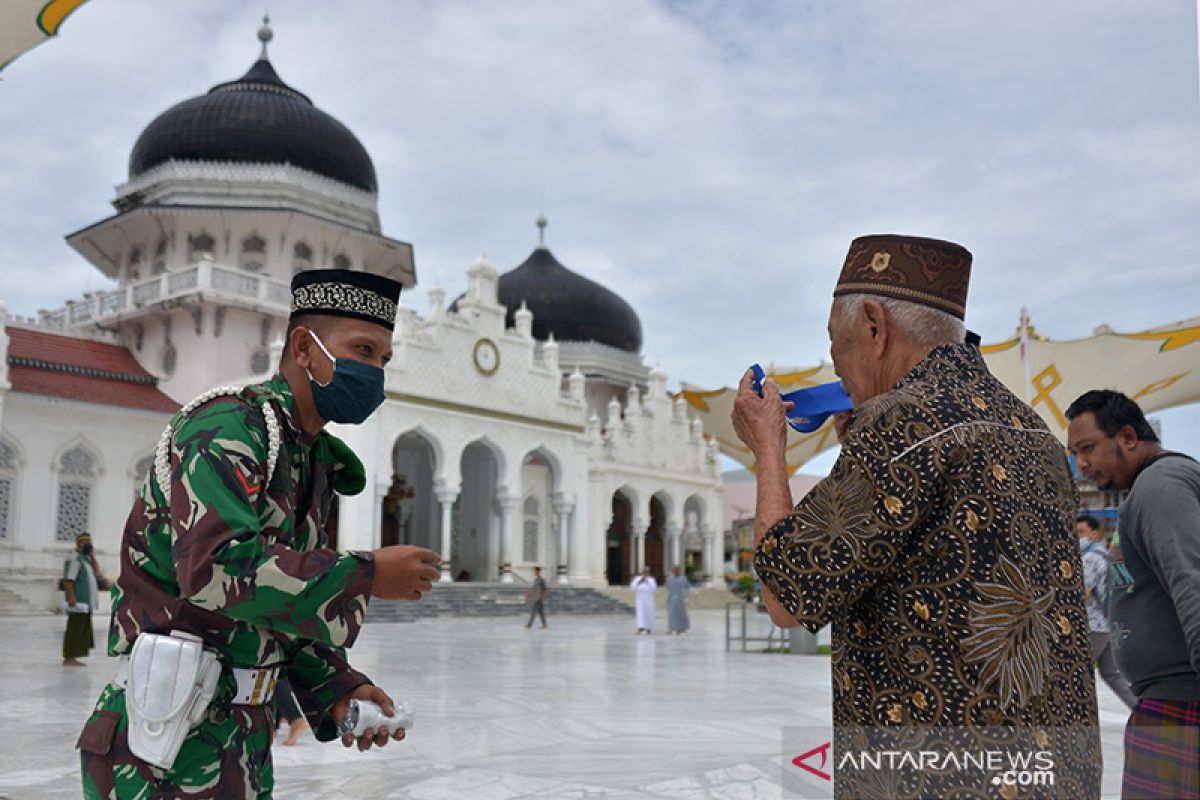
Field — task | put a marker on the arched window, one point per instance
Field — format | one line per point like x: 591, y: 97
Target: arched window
x: 76, y: 474
x: 200, y: 246
x: 160, y: 256
x: 341, y: 261
x: 9, y: 464
x: 301, y: 257
x: 529, y: 550
x: 254, y: 253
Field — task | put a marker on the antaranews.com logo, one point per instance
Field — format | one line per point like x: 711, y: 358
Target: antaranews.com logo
x: 923, y: 762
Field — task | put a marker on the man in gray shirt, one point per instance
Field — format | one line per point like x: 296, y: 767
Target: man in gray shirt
x: 1155, y: 587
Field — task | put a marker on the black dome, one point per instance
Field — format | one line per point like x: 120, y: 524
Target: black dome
x: 257, y: 119
x: 568, y: 305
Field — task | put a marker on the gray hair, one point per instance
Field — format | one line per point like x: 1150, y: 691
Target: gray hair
x: 928, y: 327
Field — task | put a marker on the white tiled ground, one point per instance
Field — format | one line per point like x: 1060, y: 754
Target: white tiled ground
x: 584, y: 710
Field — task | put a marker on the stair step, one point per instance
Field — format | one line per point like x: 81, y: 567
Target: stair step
x: 493, y: 600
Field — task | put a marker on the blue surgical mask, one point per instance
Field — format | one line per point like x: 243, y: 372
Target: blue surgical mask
x: 1085, y: 542
x: 352, y: 394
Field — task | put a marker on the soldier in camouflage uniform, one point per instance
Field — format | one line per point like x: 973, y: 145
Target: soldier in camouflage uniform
x: 236, y: 553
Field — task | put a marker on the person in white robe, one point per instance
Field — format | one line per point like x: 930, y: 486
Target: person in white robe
x: 643, y: 586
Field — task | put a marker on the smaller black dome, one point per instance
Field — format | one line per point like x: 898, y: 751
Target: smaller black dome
x: 257, y: 119
x: 568, y: 305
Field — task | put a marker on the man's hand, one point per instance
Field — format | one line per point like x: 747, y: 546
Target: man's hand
x: 760, y: 422
x: 376, y: 695
x: 403, y: 572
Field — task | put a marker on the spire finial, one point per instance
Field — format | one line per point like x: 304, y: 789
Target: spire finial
x: 265, y: 35
x: 542, y: 222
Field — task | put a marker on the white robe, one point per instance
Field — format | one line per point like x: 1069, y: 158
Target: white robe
x: 645, y: 601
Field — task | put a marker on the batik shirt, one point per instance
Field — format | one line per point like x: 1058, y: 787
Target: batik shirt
x: 942, y: 550
x: 239, y: 556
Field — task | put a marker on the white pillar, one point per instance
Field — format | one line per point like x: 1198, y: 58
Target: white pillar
x: 674, y: 546
x: 638, y: 555
x: 708, y: 557
x: 507, y: 504
x: 562, y: 512
x: 446, y: 498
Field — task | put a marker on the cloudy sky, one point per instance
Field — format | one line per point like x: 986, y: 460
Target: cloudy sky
x: 710, y: 161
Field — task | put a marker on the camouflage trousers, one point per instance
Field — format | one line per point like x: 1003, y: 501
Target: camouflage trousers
x: 225, y: 757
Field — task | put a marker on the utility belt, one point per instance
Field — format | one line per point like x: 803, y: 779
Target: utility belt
x: 169, y: 682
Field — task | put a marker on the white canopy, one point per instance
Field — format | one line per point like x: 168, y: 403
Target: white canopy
x: 1159, y: 368
x: 27, y: 23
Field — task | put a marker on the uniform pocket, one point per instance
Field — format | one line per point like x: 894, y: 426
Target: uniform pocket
x: 98, y: 733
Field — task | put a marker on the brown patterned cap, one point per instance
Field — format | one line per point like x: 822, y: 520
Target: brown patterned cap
x: 931, y: 272
x: 346, y: 293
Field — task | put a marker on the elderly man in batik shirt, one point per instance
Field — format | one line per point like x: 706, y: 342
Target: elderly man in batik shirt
x: 941, y: 547
x: 227, y: 542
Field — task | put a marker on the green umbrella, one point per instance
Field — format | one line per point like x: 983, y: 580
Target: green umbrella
x: 28, y: 23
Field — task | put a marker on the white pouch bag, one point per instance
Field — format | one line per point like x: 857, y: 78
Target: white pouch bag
x: 172, y: 679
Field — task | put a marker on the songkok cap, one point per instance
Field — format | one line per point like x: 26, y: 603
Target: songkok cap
x: 926, y: 271
x: 82, y: 537
x: 346, y: 293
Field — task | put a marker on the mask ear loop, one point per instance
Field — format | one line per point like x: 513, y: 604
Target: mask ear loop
x: 328, y: 355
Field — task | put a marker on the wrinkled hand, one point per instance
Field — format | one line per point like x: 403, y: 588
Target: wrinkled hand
x: 403, y: 572
x: 378, y: 738
x: 760, y: 422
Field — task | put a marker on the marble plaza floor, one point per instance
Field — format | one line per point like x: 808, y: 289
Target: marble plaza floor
x: 583, y: 710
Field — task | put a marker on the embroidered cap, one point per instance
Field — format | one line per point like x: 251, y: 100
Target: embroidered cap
x: 346, y: 293
x: 927, y: 271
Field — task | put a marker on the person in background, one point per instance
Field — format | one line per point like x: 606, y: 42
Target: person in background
x: 1095, y: 590
x: 538, y: 592
x: 677, y: 591
x: 81, y: 581
x: 643, y: 586
x: 1155, y: 587
x: 287, y: 710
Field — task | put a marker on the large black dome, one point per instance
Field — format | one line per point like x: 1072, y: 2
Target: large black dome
x: 257, y: 119
x: 568, y: 305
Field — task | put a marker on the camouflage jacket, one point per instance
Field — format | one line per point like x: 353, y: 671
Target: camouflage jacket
x: 239, y: 556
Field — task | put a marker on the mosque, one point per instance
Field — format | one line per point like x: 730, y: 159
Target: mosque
x: 522, y: 427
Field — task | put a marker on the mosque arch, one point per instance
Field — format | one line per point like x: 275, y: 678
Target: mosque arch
x: 409, y: 511
x: 695, y: 520
x: 541, y: 477
x: 475, y: 546
x: 658, y: 510
x: 619, y: 547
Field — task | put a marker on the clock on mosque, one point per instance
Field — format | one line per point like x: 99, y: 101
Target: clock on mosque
x: 486, y: 356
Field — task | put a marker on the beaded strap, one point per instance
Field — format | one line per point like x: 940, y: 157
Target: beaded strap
x: 162, y: 452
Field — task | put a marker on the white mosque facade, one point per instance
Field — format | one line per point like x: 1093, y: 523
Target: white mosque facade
x: 521, y: 427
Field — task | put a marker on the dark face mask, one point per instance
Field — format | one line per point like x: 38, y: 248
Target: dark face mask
x: 352, y: 394
x: 87, y: 550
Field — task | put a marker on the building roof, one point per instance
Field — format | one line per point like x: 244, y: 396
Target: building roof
x: 568, y: 305
x: 54, y: 365
x: 256, y: 119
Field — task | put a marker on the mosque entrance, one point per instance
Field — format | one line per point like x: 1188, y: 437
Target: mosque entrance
x: 410, y: 512
x: 655, y: 534
x: 619, y: 542
x: 475, y: 539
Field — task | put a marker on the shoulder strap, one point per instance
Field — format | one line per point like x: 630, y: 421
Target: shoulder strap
x: 162, y: 452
